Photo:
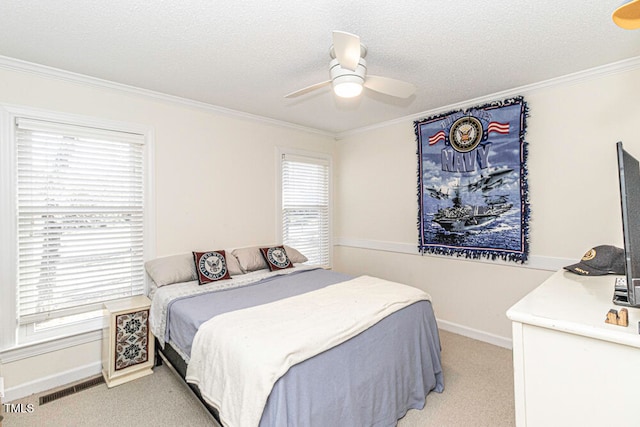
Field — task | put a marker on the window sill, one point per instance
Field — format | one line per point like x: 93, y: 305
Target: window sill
x: 35, y: 349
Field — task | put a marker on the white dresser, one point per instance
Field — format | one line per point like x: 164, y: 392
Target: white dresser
x: 570, y: 367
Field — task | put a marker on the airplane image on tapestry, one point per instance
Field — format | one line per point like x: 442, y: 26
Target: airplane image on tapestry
x: 472, y: 189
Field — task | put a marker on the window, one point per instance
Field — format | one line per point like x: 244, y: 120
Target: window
x: 79, y: 219
x: 305, y: 205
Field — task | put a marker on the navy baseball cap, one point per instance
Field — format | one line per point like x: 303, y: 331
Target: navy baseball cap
x: 598, y: 261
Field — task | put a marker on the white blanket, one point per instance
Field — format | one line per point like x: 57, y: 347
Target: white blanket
x: 237, y: 357
x: 164, y: 295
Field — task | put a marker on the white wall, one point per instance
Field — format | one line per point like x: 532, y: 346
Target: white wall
x: 215, y: 186
x: 572, y: 130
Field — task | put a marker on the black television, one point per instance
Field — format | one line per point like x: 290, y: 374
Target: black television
x: 627, y: 289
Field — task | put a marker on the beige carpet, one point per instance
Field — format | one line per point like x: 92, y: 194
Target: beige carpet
x: 478, y: 387
x: 478, y: 392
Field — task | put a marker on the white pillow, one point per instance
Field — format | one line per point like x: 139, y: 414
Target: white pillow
x: 294, y: 255
x: 251, y: 259
x: 182, y: 268
x: 171, y: 269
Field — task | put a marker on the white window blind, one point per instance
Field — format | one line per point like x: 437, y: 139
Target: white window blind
x: 80, y: 213
x: 305, y: 206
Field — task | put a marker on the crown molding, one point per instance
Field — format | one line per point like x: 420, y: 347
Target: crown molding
x: 13, y: 64
x: 573, y: 78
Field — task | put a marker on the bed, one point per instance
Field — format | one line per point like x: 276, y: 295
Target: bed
x: 290, y: 347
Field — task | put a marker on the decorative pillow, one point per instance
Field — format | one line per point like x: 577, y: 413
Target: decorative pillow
x: 276, y: 258
x: 171, y: 269
x: 211, y: 266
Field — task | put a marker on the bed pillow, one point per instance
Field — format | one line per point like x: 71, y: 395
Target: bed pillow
x: 251, y: 258
x: 294, y: 255
x: 171, y: 269
x: 211, y: 266
x: 181, y: 268
x: 232, y: 264
x: 276, y: 258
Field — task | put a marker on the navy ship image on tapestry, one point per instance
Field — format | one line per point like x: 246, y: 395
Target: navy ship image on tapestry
x: 472, y: 189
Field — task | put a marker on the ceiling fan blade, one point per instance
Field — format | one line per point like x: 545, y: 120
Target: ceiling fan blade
x: 389, y: 86
x: 307, y: 89
x: 346, y: 46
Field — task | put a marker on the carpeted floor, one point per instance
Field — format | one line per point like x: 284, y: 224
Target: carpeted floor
x: 478, y: 392
x: 478, y: 387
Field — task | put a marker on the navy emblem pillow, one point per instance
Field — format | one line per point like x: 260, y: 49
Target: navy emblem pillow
x: 211, y: 266
x: 276, y: 258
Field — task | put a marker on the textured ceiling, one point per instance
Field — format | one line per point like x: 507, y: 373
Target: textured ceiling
x: 246, y: 55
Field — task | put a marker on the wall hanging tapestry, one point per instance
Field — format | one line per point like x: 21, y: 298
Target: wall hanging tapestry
x: 472, y: 182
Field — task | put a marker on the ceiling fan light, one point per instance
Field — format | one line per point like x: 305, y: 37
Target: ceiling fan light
x: 627, y: 16
x: 347, y: 89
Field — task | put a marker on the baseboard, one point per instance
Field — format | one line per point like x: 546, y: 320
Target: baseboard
x: 476, y: 334
x: 52, y: 381
x: 93, y: 369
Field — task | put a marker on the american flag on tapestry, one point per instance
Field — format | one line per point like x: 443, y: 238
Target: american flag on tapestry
x: 472, y: 182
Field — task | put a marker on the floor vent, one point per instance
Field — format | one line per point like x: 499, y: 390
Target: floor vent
x: 70, y: 390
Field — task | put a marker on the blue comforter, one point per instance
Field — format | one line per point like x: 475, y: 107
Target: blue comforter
x: 371, y: 380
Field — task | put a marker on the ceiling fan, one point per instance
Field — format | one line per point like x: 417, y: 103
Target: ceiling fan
x: 348, y: 71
